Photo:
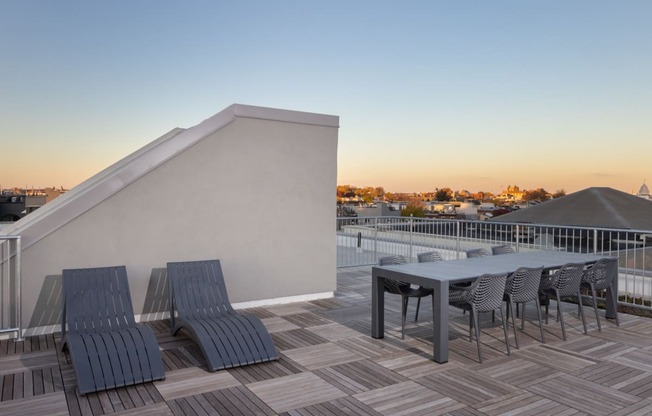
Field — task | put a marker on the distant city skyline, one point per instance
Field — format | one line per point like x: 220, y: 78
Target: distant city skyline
x: 459, y: 94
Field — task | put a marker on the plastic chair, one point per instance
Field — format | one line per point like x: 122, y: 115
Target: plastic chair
x: 564, y: 282
x: 429, y: 257
x: 107, y: 347
x: 477, y: 252
x: 484, y: 295
x: 600, y: 276
x: 404, y: 289
x: 503, y: 249
x: 523, y: 286
x: 200, y: 305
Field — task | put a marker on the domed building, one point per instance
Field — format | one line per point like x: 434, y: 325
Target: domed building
x: 644, y: 192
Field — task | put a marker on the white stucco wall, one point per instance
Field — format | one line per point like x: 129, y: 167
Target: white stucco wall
x: 257, y: 194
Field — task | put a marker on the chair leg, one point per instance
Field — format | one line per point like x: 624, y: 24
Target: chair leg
x: 511, y: 310
x: 403, y: 315
x: 470, y: 327
x: 540, y: 321
x: 595, y: 308
x: 502, y: 317
x: 522, y: 315
x: 416, y: 315
x: 477, y: 333
x: 560, y: 317
x: 579, y: 298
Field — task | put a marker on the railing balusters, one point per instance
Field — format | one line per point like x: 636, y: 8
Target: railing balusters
x: 411, y: 236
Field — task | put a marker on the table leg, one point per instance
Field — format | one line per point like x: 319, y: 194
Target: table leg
x: 377, y: 306
x: 440, y: 322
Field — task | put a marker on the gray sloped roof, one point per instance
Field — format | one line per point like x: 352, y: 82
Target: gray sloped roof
x: 591, y: 207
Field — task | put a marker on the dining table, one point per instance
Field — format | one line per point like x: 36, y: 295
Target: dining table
x: 440, y: 274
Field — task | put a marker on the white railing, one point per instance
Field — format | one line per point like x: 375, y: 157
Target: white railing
x: 10, y: 286
x: 362, y: 240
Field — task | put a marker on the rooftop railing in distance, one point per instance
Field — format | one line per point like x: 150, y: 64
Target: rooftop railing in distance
x: 10, y: 286
x: 363, y: 240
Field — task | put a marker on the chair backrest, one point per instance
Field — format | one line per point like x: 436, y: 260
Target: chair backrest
x: 197, y: 290
x: 567, y: 280
x: 503, y: 249
x: 601, y: 273
x: 486, y: 292
x: 429, y: 257
x: 96, y: 300
x: 391, y: 285
x: 477, y: 252
x: 523, y: 284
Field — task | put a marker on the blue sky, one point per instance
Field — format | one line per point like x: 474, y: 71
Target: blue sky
x: 462, y: 94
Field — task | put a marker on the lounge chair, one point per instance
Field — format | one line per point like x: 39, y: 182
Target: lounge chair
x: 200, y: 305
x: 107, y: 348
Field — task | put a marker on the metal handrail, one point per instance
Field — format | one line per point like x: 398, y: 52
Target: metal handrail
x: 6, y: 265
x: 409, y: 236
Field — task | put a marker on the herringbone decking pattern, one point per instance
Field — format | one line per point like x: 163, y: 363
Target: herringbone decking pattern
x: 330, y: 365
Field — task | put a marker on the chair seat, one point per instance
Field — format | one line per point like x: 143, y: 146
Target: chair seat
x: 231, y: 341
x: 113, y: 359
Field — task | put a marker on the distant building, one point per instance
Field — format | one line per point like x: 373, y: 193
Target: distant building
x: 644, y: 192
x: 379, y: 209
x: 15, y: 206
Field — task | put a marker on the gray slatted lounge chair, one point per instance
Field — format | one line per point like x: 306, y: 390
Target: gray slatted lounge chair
x: 600, y: 276
x: 403, y: 289
x: 107, y: 348
x: 200, y: 305
x: 563, y: 283
x: 523, y: 286
x: 477, y: 252
x: 504, y: 249
x: 484, y: 295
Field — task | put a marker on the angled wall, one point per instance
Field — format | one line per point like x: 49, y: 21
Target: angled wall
x: 251, y: 186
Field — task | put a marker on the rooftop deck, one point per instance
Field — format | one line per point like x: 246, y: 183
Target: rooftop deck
x: 330, y: 365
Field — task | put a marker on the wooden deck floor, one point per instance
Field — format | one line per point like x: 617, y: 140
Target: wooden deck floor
x: 331, y: 366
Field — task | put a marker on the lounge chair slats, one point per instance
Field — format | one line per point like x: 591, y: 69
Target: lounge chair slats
x: 199, y: 304
x: 107, y: 347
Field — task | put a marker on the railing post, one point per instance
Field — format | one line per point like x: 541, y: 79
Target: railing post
x: 19, y: 294
x: 375, y: 239
x: 518, y: 237
x: 411, y: 231
x: 458, y: 235
x: 595, y: 241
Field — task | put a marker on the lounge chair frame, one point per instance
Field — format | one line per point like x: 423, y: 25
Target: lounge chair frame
x: 200, y: 305
x: 107, y: 347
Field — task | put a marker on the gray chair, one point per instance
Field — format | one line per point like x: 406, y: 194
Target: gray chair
x: 403, y: 289
x: 429, y: 256
x: 108, y: 349
x: 477, y: 252
x: 502, y: 249
x: 601, y: 276
x: 200, y: 305
x: 484, y: 295
x: 523, y: 286
x: 564, y: 282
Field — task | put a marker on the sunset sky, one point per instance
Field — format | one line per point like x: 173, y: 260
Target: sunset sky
x: 474, y: 95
